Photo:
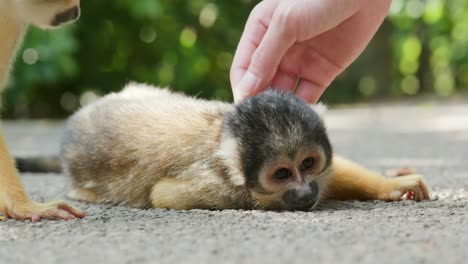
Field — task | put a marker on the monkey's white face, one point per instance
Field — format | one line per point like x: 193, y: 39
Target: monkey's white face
x: 292, y: 182
x: 46, y: 13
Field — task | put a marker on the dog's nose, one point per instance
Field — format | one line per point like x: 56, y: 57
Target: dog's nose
x: 66, y: 16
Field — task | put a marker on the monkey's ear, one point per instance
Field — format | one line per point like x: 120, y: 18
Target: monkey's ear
x: 320, y: 108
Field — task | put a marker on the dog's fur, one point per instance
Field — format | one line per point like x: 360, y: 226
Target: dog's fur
x: 15, y: 17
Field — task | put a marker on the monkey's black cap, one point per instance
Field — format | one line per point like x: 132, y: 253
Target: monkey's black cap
x: 274, y: 123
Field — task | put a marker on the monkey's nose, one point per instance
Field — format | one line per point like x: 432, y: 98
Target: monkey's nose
x: 66, y: 16
x: 300, y: 200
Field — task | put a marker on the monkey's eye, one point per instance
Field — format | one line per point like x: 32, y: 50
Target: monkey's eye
x: 307, y: 164
x: 282, y: 174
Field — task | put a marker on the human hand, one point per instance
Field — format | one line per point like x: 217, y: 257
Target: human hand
x: 312, y: 39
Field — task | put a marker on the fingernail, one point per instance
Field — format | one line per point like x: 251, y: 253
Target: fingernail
x: 246, y: 86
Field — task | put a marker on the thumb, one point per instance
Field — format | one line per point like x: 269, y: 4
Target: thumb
x: 279, y: 37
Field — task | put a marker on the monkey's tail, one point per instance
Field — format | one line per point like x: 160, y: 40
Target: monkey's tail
x: 39, y: 164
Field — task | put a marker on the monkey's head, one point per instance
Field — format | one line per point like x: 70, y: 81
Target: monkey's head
x: 46, y: 13
x: 284, y: 151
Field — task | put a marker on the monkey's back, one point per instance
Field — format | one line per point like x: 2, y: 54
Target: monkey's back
x: 119, y: 146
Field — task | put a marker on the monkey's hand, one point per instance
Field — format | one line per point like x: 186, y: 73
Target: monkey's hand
x: 35, y: 211
x: 412, y: 185
x: 350, y: 181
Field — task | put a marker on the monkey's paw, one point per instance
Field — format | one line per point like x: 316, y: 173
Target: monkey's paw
x: 36, y: 211
x: 412, y: 185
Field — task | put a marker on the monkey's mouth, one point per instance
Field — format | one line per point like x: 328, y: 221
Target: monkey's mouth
x: 302, y: 206
x: 302, y: 199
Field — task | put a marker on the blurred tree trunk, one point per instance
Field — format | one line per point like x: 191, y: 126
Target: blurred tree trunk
x: 377, y: 61
x: 383, y: 55
x: 424, y: 73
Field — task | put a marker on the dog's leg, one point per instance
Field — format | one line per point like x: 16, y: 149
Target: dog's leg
x: 15, y: 203
x: 15, y: 15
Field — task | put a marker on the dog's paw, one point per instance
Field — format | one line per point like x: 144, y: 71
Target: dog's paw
x: 36, y: 211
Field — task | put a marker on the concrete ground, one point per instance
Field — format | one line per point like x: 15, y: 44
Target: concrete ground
x: 432, y: 138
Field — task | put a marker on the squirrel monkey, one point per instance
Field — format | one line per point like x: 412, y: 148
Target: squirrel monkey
x: 147, y: 147
x: 15, y: 16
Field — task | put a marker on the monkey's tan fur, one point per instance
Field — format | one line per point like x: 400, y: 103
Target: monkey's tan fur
x: 125, y: 153
x: 148, y: 147
x: 15, y: 16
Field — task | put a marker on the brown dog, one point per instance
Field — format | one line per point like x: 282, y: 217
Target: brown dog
x: 15, y: 17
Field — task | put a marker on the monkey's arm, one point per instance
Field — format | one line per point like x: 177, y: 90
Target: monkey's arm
x: 350, y: 181
x: 181, y: 194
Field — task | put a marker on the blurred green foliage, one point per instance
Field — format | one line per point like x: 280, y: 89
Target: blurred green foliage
x: 188, y: 45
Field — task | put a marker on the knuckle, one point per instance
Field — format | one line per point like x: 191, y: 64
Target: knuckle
x: 285, y: 18
x: 257, y: 10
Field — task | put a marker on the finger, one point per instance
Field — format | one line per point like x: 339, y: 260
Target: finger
x: 61, y: 214
x: 316, y: 70
x: 409, y: 195
x: 292, y: 22
x: 72, y: 210
x: 309, y: 91
x: 13, y: 215
x: 425, y: 191
x: 254, y: 31
x: 279, y: 37
x: 417, y: 195
x: 315, y: 17
x: 405, y: 171
x: 421, y: 194
x: 34, y: 217
x: 284, y: 81
x: 400, y: 172
x: 331, y: 52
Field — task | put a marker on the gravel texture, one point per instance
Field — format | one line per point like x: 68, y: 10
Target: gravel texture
x: 431, y: 138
